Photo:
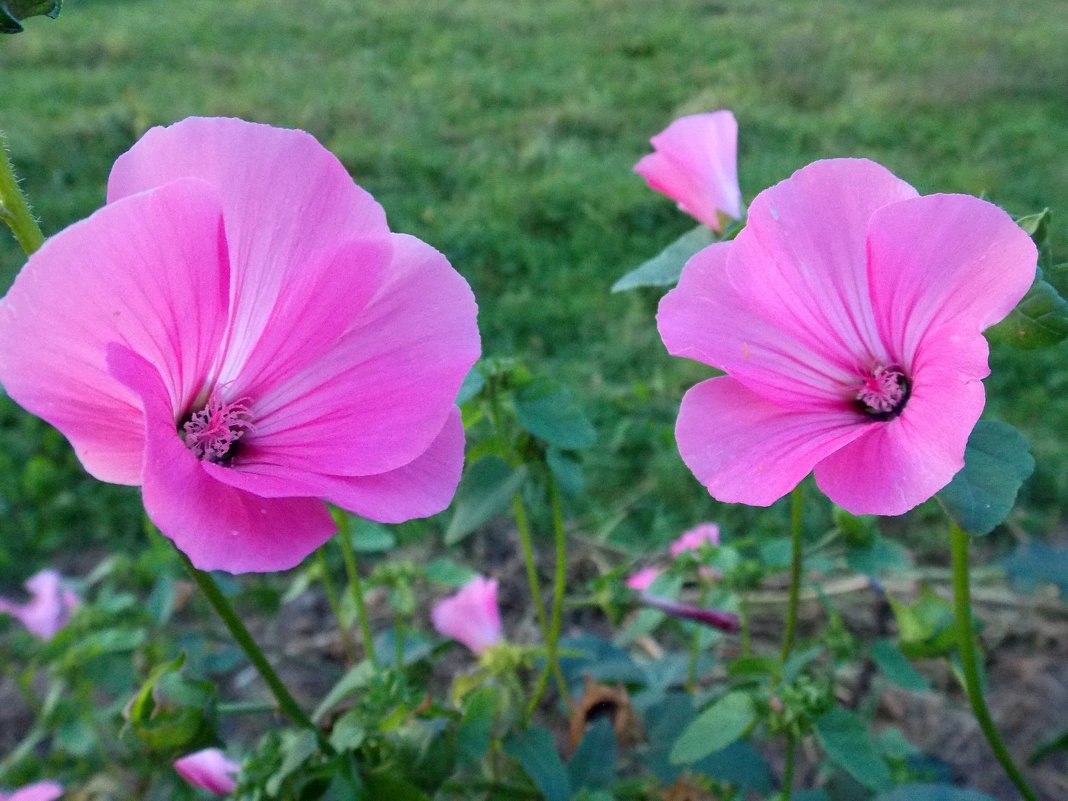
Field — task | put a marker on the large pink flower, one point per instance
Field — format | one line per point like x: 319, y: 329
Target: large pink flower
x: 209, y: 769
x: 470, y: 616
x: 848, y: 318
x: 695, y: 163
x: 239, y: 333
x: 39, y: 791
x: 49, y: 608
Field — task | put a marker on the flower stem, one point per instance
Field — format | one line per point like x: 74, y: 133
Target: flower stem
x: 743, y: 615
x: 962, y: 607
x: 14, y: 209
x: 552, y: 642
x: 695, y: 650
x: 335, y: 606
x: 796, y: 501
x: 788, y: 770
x: 526, y: 544
x: 286, y: 703
x: 356, y: 585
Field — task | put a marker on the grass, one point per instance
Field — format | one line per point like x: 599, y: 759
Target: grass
x: 504, y: 134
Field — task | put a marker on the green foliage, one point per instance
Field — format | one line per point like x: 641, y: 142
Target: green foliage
x: 486, y: 490
x: 896, y: 666
x: 549, y: 411
x: 665, y: 268
x: 533, y: 749
x: 931, y: 792
x: 846, y: 741
x: 12, y: 12
x: 726, y: 720
x: 1034, y: 563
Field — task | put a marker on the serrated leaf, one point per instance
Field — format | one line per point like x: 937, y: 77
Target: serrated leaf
x: 896, y: 666
x: 717, y: 727
x: 847, y: 743
x: 12, y: 12
x: 533, y: 749
x: 549, y: 411
x: 665, y: 268
x: 931, y: 792
x: 997, y: 461
x: 485, y: 491
x: 1039, y: 320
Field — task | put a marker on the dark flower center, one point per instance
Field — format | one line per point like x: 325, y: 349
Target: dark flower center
x: 882, y: 393
x: 213, y: 432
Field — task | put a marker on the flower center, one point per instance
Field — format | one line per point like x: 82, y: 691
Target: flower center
x: 212, y: 433
x: 882, y: 393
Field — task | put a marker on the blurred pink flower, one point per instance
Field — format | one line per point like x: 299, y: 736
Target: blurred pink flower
x: 641, y: 579
x: 39, y: 791
x: 696, y: 537
x: 49, y: 608
x: 239, y: 333
x: 471, y: 615
x: 848, y: 318
x: 208, y: 769
x: 695, y: 163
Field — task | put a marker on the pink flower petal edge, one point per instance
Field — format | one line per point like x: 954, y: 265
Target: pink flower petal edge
x: 848, y: 318
x: 695, y: 163
x: 641, y: 580
x: 694, y: 538
x: 49, y: 608
x: 39, y: 791
x: 209, y: 769
x: 470, y: 616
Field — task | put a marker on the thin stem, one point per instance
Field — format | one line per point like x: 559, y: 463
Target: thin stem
x: 962, y: 608
x: 526, y: 544
x: 695, y: 650
x: 286, y: 703
x: 743, y: 615
x: 352, y: 570
x: 398, y: 642
x: 335, y: 606
x: 796, y: 502
x: 14, y: 209
x: 788, y: 770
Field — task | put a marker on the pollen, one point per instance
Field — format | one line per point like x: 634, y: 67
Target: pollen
x: 212, y: 432
x: 882, y: 392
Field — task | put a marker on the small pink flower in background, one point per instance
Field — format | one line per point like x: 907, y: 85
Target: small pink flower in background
x: 39, y: 791
x: 209, y: 769
x: 239, y: 333
x: 693, y: 539
x: 49, y: 608
x: 471, y: 615
x: 641, y: 580
x: 848, y: 318
x: 695, y: 163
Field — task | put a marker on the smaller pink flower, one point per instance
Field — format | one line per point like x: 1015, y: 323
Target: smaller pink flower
x: 642, y: 579
x: 693, y: 539
x: 39, y: 791
x: 49, y: 607
x: 696, y: 165
x: 208, y: 769
x: 470, y: 616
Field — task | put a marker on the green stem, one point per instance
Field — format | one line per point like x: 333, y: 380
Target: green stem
x: 398, y: 642
x: 352, y: 570
x: 526, y: 544
x: 788, y: 770
x: 334, y: 600
x: 796, y: 501
x: 286, y: 703
x: 962, y: 608
x: 743, y: 619
x: 14, y: 209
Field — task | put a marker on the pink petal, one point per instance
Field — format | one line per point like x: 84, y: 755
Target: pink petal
x: 470, y: 616
x: 421, y: 488
x: 50, y: 607
x: 39, y: 791
x: 746, y: 450
x: 150, y: 272
x: 642, y: 579
x: 898, y: 464
x: 693, y: 539
x: 217, y: 526
x: 696, y: 165
x: 945, y: 260
x: 208, y: 769
x: 378, y: 399
x: 286, y: 200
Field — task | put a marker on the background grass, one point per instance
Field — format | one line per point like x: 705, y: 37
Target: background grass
x: 504, y: 134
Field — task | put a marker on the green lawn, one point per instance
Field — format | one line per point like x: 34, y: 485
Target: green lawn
x: 504, y: 134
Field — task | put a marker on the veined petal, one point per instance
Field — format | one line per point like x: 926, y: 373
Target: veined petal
x: 746, y: 450
x: 380, y: 397
x: 217, y: 526
x: 286, y: 200
x: 944, y: 261
x: 421, y: 488
x: 149, y: 272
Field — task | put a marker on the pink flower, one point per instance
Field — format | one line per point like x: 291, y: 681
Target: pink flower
x: 696, y: 165
x: 470, y: 616
x: 693, y: 539
x: 847, y: 316
x: 640, y: 580
x: 39, y: 791
x: 239, y: 333
x: 208, y: 769
x: 49, y: 608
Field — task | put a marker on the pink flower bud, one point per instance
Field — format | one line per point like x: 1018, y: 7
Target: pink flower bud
x: 641, y: 579
x: 49, y: 608
x: 208, y: 769
x: 470, y: 616
x: 693, y: 539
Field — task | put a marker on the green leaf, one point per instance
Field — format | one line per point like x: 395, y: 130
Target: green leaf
x: 846, y: 742
x: 12, y: 12
x: 896, y: 666
x: 476, y: 726
x: 996, y: 462
x: 349, y: 731
x: 448, y: 572
x: 1051, y: 745
x: 549, y: 411
x: 1035, y: 563
x: 566, y: 471
x: 357, y: 678
x: 533, y: 749
x: 665, y: 268
x: 1039, y: 320
x: 931, y: 792
x: 879, y: 556
x: 371, y: 537
x: 927, y: 626
x: 715, y: 728
x: 485, y: 491
x: 594, y: 762
x: 472, y: 384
